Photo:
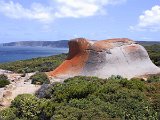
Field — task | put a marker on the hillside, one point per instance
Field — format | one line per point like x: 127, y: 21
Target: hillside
x: 83, y: 98
x: 90, y: 98
x: 62, y: 43
x: 148, y: 43
x: 55, y: 44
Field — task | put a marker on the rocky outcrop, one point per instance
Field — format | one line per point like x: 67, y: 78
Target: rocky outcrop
x: 104, y: 58
x: 19, y: 85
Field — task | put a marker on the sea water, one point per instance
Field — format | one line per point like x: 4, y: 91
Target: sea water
x: 10, y: 54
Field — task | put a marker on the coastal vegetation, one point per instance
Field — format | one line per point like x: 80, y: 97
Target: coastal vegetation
x: 41, y: 64
x: 86, y: 98
x: 40, y: 78
x: 154, y: 53
x: 45, y: 64
x: 4, y: 81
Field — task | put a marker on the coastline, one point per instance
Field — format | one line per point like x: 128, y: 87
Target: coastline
x: 11, y: 54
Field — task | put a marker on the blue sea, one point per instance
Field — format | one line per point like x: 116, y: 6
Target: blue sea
x: 10, y: 54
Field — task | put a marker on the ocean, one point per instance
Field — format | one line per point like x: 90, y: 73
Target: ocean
x: 10, y: 54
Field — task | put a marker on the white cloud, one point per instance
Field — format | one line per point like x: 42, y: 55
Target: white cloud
x: 82, y: 8
x: 150, y: 20
x: 35, y: 12
x: 60, y: 9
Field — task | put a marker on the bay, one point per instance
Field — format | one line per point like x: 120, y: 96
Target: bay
x: 10, y: 54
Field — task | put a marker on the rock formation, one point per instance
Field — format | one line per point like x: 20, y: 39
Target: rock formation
x: 104, y: 58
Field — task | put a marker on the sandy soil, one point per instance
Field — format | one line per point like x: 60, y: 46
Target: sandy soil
x: 19, y: 85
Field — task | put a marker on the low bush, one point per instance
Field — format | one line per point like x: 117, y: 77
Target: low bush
x: 40, y: 78
x: 8, y: 114
x: 90, y: 98
x: 41, y: 64
x: 154, y: 78
x: 154, y: 53
x: 116, y: 98
x: 3, y: 77
x: 32, y: 108
x: 4, y: 81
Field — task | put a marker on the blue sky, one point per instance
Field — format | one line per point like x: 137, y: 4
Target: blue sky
x: 22, y: 20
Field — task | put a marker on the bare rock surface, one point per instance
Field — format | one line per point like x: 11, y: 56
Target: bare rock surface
x: 120, y: 56
x: 19, y: 85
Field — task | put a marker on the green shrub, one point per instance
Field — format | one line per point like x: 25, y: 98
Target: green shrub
x: 8, y: 114
x: 3, y: 77
x: 32, y: 108
x: 77, y: 87
x: 47, y: 109
x: 4, y: 81
x: 40, y: 78
x: 115, y: 77
x: 41, y: 64
x: 154, y: 53
x: 73, y: 113
x: 154, y: 96
x: 133, y: 84
x: 91, y: 98
x: 115, y: 98
x: 153, y: 78
x: 26, y: 106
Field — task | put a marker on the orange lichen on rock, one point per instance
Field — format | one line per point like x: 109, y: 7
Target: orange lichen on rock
x: 76, y: 59
x: 119, y: 56
x: 131, y: 48
x: 114, y: 40
x: 110, y: 43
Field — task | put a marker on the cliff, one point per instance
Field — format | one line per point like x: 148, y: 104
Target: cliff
x: 55, y: 44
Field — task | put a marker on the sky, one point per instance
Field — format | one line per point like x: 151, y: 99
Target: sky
x: 51, y: 20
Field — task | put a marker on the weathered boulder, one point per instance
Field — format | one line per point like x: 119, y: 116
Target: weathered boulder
x: 104, y: 58
x: 4, y: 102
x: 7, y: 94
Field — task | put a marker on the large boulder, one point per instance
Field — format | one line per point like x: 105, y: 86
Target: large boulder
x: 104, y: 58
